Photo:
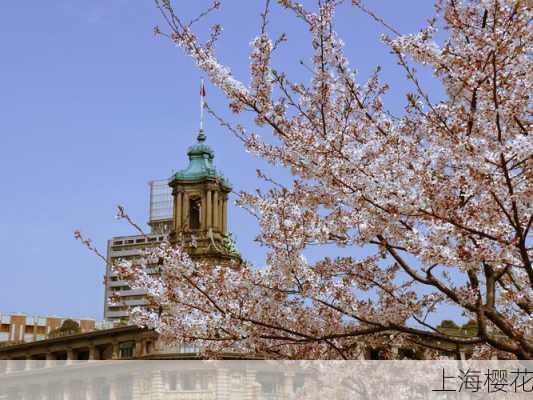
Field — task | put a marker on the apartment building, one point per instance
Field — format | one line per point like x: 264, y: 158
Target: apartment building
x: 23, y: 328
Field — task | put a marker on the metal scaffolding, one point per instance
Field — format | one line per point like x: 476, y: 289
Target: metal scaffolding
x: 160, y: 200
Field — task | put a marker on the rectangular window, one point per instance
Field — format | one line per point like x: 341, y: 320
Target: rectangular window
x: 125, y: 387
x: 77, y: 390
x: 34, y: 393
x: 55, y: 392
x: 194, y: 211
x: 188, y: 381
x: 14, y: 394
x: 270, y: 383
x: 236, y: 382
x: 126, y: 349
x: 172, y: 381
x: 146, y: 383
x: 299, y: 381
x: 101, y: 389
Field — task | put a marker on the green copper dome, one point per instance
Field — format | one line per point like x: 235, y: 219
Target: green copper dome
x: 200, y: 162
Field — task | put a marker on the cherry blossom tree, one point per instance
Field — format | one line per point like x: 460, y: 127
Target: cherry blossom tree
x: 442, y: 194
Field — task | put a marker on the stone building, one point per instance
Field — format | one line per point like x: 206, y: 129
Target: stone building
x: 129, y: 342
x: 123, y: 342
x: 191, y: 207
x: 99, y: 365
x: 151, y: 380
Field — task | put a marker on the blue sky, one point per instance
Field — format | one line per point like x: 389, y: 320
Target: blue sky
x: 93, y: 106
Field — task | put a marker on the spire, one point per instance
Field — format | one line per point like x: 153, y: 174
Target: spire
x: 202, y: 106
x: 200, y: 154
x: 201, y: 136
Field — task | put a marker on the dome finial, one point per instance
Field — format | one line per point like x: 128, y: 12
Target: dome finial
x: 201, y: 136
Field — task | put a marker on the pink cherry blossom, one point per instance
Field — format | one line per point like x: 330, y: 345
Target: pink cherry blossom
x: 442, y: 195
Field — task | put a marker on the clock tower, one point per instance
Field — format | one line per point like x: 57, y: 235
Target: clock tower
x: 200, y: 203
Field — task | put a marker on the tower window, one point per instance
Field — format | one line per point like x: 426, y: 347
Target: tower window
x: 194, y: 210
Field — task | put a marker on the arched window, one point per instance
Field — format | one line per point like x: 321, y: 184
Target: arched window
x: 194, y: 211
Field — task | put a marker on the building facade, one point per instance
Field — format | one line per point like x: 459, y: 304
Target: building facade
x: 124, y: 342
x: 131, y: 342
x: 151, y: 380
x: 124, y: 248
x: 99, y: 365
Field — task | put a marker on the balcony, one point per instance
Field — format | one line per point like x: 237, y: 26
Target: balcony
x: 133, y: 303
x: 117, y: 284
x: 116, y: 314
x: 131, y: 292
x: 124, y: 253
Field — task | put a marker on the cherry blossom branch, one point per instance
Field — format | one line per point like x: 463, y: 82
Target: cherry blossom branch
x: 441, y: 192
x: 122, y: 214
x: 87, y: 242
x: 359, y: 4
